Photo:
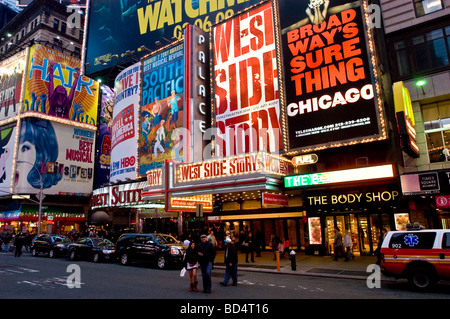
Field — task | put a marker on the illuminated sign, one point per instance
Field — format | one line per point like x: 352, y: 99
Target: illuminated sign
x: 305, y: 159
x: 191, y: 202
x: 405, y: 119
x: 331, y: 94
x: 246, y: 84
x: 233, y: 166
x: 348, y: 175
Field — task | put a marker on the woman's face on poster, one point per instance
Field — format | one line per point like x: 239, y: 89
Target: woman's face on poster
x: 27, y: 152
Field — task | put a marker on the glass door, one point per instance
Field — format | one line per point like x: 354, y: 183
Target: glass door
x: 363, y: 235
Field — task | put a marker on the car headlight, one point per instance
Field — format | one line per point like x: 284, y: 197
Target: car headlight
x: 176, y: 251
x: 107, y: 251
x: 60, y: 245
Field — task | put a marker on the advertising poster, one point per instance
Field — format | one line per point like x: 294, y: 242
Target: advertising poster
x: 7, y: 138
x: 330, y: 82
x: 55, y: 87
x: 11, y: 76
x: 59, y: 155
x: 115, y: 27
x: 162, y: 112
x: 104, y: 137
x: 246, y: 84
x: 124, y: 125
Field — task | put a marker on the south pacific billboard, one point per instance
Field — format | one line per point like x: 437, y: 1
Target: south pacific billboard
x: 55, y: 87
x: 246, y: 102
x: 124, y: 125
x: 332, y: 89
x: 117, y: 29
x: 59, y: 156
x: 162, y: 110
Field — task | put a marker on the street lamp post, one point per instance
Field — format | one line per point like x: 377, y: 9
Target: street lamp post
x: 41, y: 195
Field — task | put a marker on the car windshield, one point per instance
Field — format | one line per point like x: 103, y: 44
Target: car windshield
x: 62, y: 239
x: 167, y: 239
x: 101, y: 242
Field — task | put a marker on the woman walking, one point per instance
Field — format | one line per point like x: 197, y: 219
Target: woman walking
x: 191, y: 264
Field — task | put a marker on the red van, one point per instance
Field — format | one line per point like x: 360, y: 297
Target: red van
x: 421, y: 256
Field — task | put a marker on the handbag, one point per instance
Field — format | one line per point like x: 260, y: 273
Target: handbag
x: 183, y: 272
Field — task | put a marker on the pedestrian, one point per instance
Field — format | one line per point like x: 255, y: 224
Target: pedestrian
x: 249, y: 244
x: 191, y: 263
x: 274, y: 242
x: 281, y: 248
x: 6, y: 241
x: 231, y: 263
x: 259, y: 242
x: 18, y: 242
x: 206, y: 254
x: 338, y: 248
x: 286, y: 247
x: 380, y: 242
x: 212, y: 239
x: 348, y: 247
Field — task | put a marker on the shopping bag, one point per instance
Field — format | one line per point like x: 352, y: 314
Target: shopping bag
x: 183, y: 272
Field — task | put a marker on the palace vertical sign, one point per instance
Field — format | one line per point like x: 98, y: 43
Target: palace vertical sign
x: 246, y: 84
x: 331, y: 81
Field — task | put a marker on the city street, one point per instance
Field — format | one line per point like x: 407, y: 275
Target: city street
x: 30, y: 277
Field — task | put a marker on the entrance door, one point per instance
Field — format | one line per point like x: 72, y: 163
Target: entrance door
x: 363, y: 235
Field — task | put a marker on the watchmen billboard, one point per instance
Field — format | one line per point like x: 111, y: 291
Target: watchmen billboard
x: 115, y: 27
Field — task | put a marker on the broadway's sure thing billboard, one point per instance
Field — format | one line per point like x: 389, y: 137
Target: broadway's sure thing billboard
x: 122, y: 27
x: 246, y: 84
x: 332, y: 92
x: 55, y: 87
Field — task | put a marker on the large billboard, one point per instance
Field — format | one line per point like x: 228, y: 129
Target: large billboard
x: 7, y: 140
x: 55, y: 87
x: 118, y: 28
x: 247, y: 108
x: 102, y: 166
x: 124, y: 126
x: 332, y: 91
x: 162, y: 108
x: 11, y: 77
x: 59, y: 156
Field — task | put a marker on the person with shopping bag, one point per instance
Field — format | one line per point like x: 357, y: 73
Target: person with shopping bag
x: 191, y: 265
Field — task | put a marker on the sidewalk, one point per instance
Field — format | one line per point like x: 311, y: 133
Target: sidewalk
x: 306, y: 265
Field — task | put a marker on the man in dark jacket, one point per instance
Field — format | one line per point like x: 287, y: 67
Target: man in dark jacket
x: 206, y: 254
x: 231, y: 261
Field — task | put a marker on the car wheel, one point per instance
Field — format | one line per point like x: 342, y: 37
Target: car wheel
x: 161, y: 262
x: 34, y: 252
x: 51, y: 253
x: 421, y: 278
x: 72, y: 255
x: 124, y: 259
x: 96, y: 257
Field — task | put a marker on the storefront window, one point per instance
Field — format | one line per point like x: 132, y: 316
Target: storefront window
x: 436, y: 117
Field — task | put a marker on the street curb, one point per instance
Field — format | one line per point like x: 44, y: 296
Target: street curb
x: 303, y: 273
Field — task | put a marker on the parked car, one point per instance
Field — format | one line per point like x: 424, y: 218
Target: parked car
x: 52, y: 245
x: 160, y: 249
x: 421, y: 256
x: 95, y: 249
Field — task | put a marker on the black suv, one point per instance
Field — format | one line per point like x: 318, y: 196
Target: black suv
x: 162, y: 249
x: 53, y: 245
